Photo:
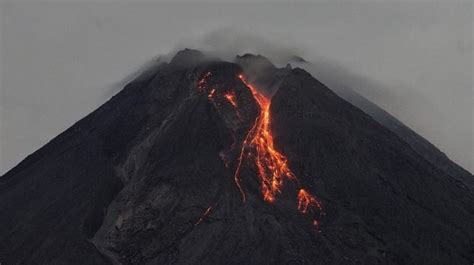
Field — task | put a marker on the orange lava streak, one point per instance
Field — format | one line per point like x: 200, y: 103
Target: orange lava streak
x: 202, y: 83
x: 272, y: 165
x: 204, y: 215
x: 306, y: 201
x: 241, y: 155
x: 230, y: 96
x: 211, y: 93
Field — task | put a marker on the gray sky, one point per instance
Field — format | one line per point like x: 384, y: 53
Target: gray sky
x: 60, y: 61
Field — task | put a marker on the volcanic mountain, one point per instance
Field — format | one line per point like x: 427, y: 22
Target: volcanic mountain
x: 203, y: 161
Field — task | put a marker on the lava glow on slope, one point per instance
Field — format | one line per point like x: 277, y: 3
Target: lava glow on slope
x: 230, y: 96
x: 204, y: 215
x: 272, y: 166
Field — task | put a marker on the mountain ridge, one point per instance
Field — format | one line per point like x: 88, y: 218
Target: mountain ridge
x: 148, y: 178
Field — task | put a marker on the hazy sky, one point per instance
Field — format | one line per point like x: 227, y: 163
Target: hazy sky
x: 60, y: 61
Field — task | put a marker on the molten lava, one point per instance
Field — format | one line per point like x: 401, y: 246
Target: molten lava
x: 272, y: 165
x: 211, y: 93
x: 306, y: 201
x: 230, y: 96
x: 204, y: 215
x: 202, y: 83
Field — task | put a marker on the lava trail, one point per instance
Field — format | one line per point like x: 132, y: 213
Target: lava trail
x: 204, y: 215
x: 272, y: 165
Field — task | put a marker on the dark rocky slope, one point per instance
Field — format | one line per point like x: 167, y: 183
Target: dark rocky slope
x: 332, y: 76
x: 148, y: 179
x: 422, y: 146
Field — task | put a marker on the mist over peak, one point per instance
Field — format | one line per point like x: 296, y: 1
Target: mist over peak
x: 188, y: 57
x: 395, y: 96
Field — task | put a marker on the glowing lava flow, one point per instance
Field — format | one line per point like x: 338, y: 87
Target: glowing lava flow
x: 272, y: 165
x: 306, y: 201
x: 204, y: 215
x: 230, y: 96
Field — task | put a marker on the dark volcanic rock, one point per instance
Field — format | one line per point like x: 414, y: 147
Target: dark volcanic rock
x: 383, y: 196
x: 262, y: 73
x: 148, y: 178
x: 422, y: 146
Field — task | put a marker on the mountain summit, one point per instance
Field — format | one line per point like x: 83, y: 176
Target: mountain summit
x: 202, y: 161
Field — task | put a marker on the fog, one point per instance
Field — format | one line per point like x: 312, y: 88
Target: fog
x: 61, y: 61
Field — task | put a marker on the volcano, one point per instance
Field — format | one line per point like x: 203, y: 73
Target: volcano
x: 203, y: 161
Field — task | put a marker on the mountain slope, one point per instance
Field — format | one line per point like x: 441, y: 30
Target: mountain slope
x: 150, y: 178
x: 417, y: 142
x: 331, y: 75
x: 376, y: 181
